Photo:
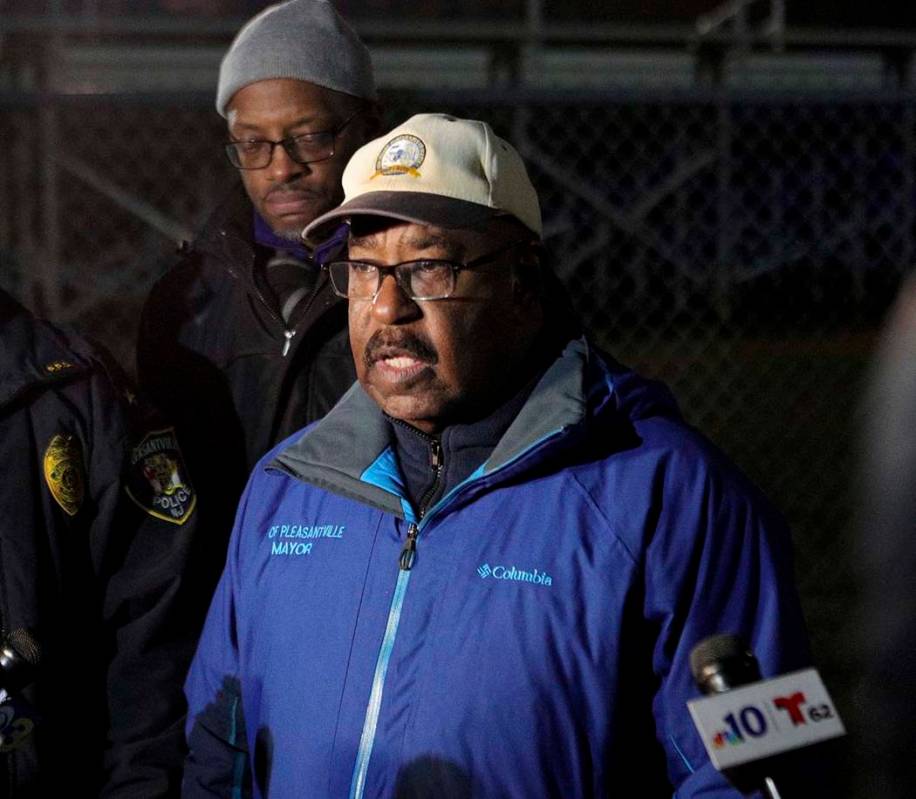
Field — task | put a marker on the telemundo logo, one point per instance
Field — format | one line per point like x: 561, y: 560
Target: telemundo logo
x: 514, y: 574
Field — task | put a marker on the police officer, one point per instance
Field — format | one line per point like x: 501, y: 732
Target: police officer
x: 95, y: 515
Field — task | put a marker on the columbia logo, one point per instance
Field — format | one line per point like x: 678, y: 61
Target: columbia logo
x: 515, y: 574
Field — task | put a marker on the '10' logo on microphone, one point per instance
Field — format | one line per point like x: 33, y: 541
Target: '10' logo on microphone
x: 751, y: 722
x: 765, y: 718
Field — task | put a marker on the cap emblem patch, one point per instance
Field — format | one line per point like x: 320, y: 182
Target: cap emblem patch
x: 403, y: 155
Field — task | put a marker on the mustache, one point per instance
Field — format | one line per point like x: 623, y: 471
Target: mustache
x: 391, y: 344
x: 294, y: 188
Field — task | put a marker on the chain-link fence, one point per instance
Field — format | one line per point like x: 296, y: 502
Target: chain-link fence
x: 742, y: 249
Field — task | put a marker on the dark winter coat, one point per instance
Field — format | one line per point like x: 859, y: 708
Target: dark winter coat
x: 93, y: 545
x: 216, y: 357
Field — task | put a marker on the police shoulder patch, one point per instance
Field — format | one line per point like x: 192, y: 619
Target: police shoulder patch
x: 64, y: 473
x: 158, y: 480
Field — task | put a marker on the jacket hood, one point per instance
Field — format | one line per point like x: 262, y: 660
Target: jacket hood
x: 351, y: 451
x: 636, y: 397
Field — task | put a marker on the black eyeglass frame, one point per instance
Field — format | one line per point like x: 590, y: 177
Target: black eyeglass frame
x: 404, y: 271
x: 288, y: 144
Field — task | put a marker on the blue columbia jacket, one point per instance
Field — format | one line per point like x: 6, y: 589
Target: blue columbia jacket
x: 538, y: 646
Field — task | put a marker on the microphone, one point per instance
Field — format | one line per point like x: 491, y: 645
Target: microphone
x: 745, y: 721
x: 722, y: 662
x: 19, y: 656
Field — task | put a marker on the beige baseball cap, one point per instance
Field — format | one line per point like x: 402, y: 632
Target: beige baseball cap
x: 435, y: 169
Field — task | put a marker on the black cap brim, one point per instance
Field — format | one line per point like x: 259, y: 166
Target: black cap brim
x: 418, y: 207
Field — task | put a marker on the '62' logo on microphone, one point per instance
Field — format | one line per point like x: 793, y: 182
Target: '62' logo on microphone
x: 765, y: 718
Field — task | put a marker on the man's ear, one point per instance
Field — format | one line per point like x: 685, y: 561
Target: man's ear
x: 372, y: 120
x: 526, y: 275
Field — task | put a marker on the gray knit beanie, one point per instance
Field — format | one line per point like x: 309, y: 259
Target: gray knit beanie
x: 301, y: 39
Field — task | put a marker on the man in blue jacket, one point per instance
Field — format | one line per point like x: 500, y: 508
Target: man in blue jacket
x: 483, y: 572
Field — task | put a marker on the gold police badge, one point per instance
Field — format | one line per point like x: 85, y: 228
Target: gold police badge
x: 158, y: 480
x: 64, y: 474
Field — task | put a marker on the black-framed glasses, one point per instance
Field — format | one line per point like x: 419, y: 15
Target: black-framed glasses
x: 306, y: 148
x: 423, y: 279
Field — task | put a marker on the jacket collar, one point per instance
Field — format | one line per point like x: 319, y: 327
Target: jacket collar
x: 351, y: 451
x: 228, y: 235
x: 265, y: 237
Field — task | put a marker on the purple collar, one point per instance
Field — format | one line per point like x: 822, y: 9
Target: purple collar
x: 264, y: 236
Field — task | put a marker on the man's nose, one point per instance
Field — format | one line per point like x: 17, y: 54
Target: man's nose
x: 282, y: 167
x: 391, y: 304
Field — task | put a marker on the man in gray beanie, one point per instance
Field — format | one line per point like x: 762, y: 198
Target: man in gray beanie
x: 244, y: 341
x: 294, y: 57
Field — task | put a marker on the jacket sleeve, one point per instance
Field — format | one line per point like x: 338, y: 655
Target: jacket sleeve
x: 181, y: 364
x: 719, y: 562
x: 218, y: 764
x: 140, y: 555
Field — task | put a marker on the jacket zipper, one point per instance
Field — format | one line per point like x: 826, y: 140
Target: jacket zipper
x: 370, y: 723
x: 308, y: 306
x: 287, y: 333
x: 405, y: 563
x: 367, y: 738
x: 409, y: 552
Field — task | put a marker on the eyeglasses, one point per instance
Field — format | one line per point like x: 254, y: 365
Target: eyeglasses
x: 425, y: 279
x: 306, y: 148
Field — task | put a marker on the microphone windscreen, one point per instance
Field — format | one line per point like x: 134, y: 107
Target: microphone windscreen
x: 19, y: 656
x: 25, y: 645
x: 722, y: 662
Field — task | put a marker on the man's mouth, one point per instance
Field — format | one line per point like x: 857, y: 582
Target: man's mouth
x: 401, y: 361
x: 290, y: 201
x: 400, y: 368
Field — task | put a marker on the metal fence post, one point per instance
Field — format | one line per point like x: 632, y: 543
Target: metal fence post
x: 47, y: 268
x: 909, y: 181
x: 725, y: 233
